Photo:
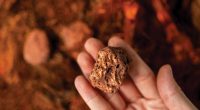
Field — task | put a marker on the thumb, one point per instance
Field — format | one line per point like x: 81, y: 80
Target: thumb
x: 170, y: 92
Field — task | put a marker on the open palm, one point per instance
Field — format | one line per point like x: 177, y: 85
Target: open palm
x: 141, y: 91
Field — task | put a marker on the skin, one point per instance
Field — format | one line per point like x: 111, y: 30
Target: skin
x: 141, y: 91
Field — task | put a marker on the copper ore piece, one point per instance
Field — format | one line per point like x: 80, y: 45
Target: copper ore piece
x: 36, y: 48
x: 110, y: 69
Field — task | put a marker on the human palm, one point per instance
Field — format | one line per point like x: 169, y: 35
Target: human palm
x: 141, y: 91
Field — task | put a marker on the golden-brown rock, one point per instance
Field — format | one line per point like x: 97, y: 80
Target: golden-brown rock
x: 110, y: 69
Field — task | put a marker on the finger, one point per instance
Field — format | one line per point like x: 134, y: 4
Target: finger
x: 140, y: 73
x: 116, y: 100
x: 86, y: 63
x: 170, y: 92
x: 90, y: 96
x: 93, y: 46
x: 129, y: 91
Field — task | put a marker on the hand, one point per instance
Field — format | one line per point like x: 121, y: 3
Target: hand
x: 142, y: 91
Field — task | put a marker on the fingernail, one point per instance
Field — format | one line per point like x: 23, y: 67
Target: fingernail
x: 169, y: 69
x: 170, y: 72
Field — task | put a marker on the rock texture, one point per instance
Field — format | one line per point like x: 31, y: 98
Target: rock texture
x: 74, y: 37
x: 196, y: 13
x: 110, y: 69
x: 36, y: 48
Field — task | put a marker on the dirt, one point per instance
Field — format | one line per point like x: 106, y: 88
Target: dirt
x: 50, y: 84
